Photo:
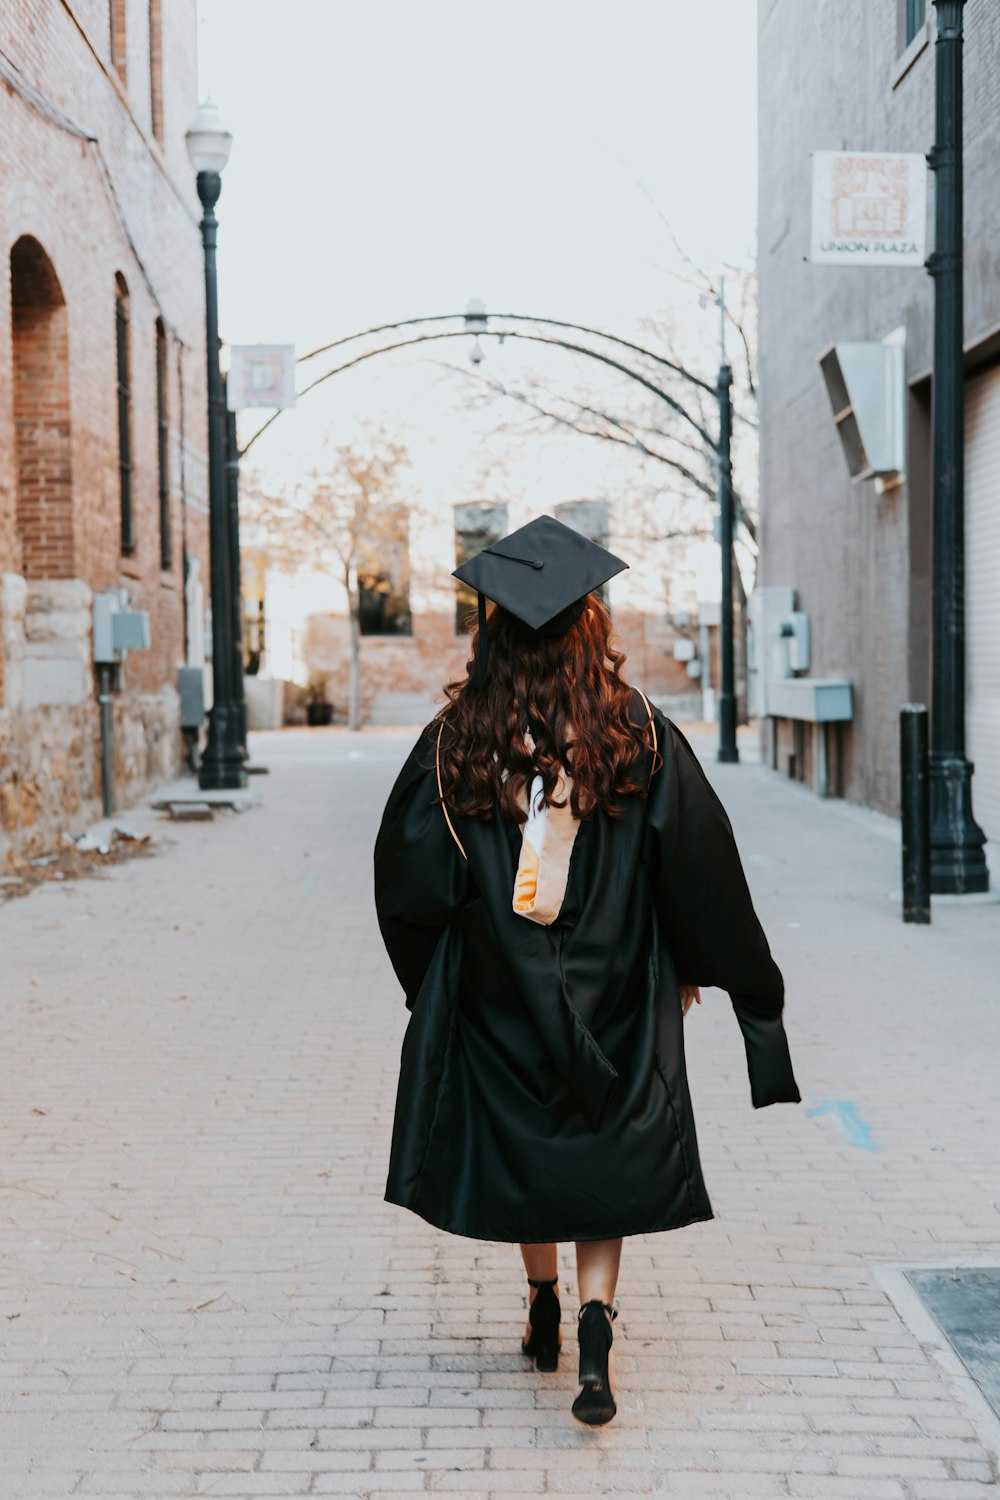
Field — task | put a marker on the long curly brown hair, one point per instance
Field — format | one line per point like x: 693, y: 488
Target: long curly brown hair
x: 569, y: 694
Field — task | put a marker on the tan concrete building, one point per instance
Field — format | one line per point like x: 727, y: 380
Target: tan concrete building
x: 854, y: 556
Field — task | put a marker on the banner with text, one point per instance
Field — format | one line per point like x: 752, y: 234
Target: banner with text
x: 869, y: 208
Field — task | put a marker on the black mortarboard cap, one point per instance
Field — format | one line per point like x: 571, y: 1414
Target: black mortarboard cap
x: 541, y: 574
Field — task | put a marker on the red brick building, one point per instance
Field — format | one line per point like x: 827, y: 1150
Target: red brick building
x: 102, y: 399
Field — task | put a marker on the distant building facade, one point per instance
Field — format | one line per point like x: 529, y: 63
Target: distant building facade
x: 102, y: 401
x: 415, y: 617
x: 855, y: 556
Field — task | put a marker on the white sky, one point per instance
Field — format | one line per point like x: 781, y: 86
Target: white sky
x: 396, y: 157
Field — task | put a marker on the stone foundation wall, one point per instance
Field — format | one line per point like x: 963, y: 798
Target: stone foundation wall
x: 50, y: 731
x: 50, y: 766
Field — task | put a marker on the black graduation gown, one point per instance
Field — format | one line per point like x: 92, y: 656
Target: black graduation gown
x: 542, y: 1090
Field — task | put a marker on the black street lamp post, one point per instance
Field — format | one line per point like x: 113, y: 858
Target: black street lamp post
x: 727, y: 697
x: 222, y: 766
x: 239, y: 697
x: 958, y: 864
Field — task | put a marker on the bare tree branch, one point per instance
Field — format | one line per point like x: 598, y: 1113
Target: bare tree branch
x: 700, y: 278
x: 630, y: 428
x: 615, y: 430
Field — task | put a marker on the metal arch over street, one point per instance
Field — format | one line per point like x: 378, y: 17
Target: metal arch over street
x: 511, y: 333
x: 467, y: 317
x: 475, y: 322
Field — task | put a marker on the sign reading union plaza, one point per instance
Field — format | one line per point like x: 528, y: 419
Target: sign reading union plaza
x: 869, y: 208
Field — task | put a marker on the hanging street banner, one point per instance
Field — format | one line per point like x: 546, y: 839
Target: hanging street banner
x: 869, y: 208
x: 261, y: 375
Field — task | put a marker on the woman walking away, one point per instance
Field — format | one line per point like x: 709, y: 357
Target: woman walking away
x: 555, y: 878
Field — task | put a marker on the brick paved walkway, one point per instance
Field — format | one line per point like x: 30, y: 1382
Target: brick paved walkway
x: 204, y: 1294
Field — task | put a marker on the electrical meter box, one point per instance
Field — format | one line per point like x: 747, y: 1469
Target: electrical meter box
x: 130, y: 631
x: 796, y: 631
x: 118, y: 629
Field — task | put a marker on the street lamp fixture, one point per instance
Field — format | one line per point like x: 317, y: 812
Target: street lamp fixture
x: 223, y: 764
x: 476, y: 320
x: 208, y: 141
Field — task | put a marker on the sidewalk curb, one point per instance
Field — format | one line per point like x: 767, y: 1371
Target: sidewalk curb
x: 891, y: 1277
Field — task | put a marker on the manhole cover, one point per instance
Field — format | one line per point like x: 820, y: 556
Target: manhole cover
x: 965, y: 1302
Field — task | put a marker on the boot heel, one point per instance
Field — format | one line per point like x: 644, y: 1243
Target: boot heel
x: 546, y: 1353
x: 543, y: 1315
x: 595, y: 1404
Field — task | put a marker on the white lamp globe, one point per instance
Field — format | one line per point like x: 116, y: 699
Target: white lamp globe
x: 208, y: 141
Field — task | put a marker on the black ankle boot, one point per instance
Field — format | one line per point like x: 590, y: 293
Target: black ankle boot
x: 543, y: 1315
x: 595, y: 1403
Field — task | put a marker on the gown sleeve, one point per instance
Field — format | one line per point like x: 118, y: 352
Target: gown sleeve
x: 703, y: 903
x: 421, y: 878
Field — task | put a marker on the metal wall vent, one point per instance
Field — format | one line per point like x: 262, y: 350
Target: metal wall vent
x: 866, y: 384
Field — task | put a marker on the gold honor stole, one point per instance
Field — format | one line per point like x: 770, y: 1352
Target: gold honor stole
x: 547, y: 838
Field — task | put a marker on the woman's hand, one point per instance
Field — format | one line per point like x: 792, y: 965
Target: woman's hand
x: 690, y: 993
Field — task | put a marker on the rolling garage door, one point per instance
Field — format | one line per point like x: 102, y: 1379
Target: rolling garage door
x: 982, y: 618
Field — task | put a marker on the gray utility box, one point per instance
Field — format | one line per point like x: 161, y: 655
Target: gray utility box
x: 768, y: 610
x: 118, y: 629
x: 779, y: 647
x: 817, y: 700
x: 191, y: 687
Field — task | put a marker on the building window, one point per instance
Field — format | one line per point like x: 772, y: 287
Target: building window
x: 478, y: 524
x: 591, y: 519
x: 116, y: 22
x: 915, y: 14
x: 383, y: 608
x: 588, y: 517
x: 40, y: 401
x: 162, y: 444
x: 124, y: 415
x: 384, y: 582
x: 156, y: 67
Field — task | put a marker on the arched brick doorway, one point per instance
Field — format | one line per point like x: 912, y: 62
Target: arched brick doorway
x: 41, y: 414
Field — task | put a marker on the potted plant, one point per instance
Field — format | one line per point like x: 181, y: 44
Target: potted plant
x: 319, y: 709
